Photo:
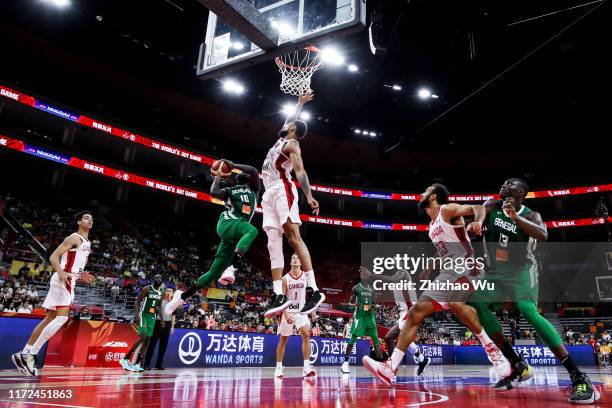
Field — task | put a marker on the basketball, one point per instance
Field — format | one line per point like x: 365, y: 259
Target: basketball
x: 220, y: 168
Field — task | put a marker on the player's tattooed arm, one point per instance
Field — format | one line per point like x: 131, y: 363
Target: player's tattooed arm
x: 295, y: 154
x: 69, y: 243
x: 216, y: 190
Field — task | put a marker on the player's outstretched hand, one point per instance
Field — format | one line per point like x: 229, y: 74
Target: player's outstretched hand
x: 314, y: 204
x: 475, y: 228
x: 307, y: 97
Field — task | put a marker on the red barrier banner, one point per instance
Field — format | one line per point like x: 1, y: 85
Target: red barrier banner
x: 70, y: 346
x: 123, y: 176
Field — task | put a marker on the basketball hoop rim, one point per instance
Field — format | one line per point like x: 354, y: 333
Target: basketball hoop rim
x: 311, y: 48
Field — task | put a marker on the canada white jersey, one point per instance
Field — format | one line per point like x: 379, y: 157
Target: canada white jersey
x: 74, y: 260
x: 296, y: 291
x: 451, y: 240
x: 277, y: 167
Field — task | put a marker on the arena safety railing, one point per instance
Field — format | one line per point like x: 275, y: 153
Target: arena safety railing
x: 208, y: 160
x: 127, y: 177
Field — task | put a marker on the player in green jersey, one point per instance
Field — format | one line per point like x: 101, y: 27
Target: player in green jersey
x: 512, y: 233
x: 147, y: 308
x: 234, y: 229
x: 364, y: 319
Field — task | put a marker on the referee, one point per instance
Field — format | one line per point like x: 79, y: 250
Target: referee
x: 164, y: 327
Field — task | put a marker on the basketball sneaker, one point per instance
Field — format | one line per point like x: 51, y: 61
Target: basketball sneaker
x: 308, y: 371
x: 278, y: 373
x: 175, y: 303
x: 520, y: 372
x: 29, y: 363
x: 581, y: 390
x: 136, y: 367
x: 501, y: 364
x: 279, y: 303
x: 228, y: 278
x: 345, y: 367
x: 423, y: 365
x: 125, y: 364
x: 382, y: 371
x: 16, y: 359
x: 313, y: 303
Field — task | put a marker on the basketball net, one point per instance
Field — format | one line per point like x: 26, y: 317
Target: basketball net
x: 297, y: 69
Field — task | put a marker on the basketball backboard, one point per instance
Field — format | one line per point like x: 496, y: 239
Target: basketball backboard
x: 294, y: 23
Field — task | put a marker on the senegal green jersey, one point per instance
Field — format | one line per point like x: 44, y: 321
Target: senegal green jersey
x: 364, y: 296
x: 508, y: 246
x: 240, y: 203
x: 151, y: 301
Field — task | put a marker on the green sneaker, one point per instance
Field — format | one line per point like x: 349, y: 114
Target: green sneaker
x: 581, y: 391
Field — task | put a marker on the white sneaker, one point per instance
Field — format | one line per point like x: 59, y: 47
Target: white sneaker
x: 19, y: 364
x: 175, y: 303
x: 500, y: 363
x: 345, y: 368
x: 308, y: 371
x: 228, y: 277
x: 29, y: 361
x: 278, y: 373
x: 382, y: 371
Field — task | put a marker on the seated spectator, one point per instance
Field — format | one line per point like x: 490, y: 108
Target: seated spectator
x: 39, y: 310
x: 24, y: 271
x: 201, y: 310
x: 85, y: 314
x: 10, y: 308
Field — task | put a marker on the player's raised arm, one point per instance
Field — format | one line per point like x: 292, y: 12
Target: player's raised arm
x: 251, y: 171
x: 532, y: 223
x: 302, y: 100
x: 479, y: 213
x: 295, y: 154
x: 69, y: 243
x: 215, y: 189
